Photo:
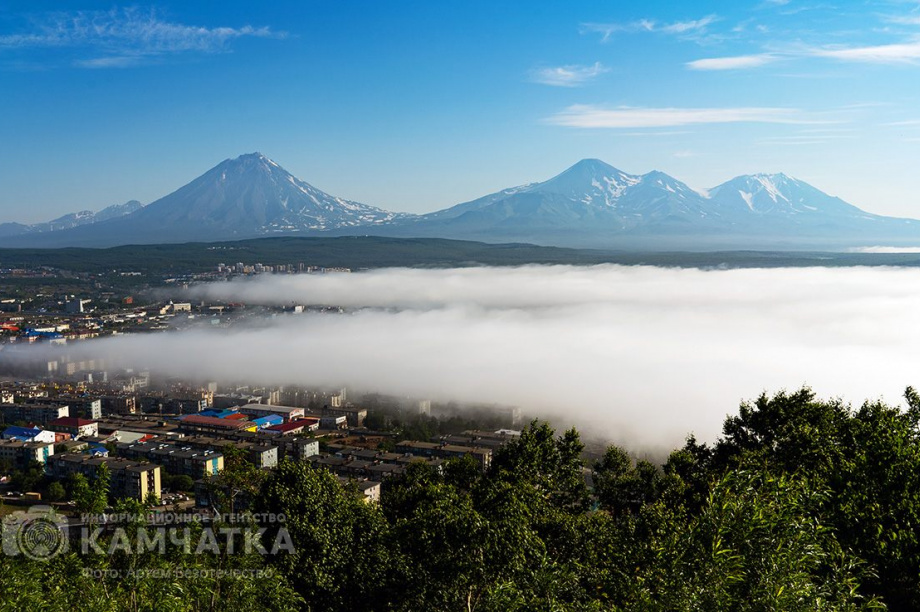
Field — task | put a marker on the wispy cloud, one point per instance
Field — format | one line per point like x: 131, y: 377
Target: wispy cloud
x: 567, y: 76
x: 885, y: 249
x: 877, y: 54
x: 898, y: 53
x: 124, y: 37
x: 904, y: 19
x: 795, y: 140
x: 680, y: 27
x: 112, y: 61
x: 733, y: 63
x: 607, y: 30
x: 589, y: 116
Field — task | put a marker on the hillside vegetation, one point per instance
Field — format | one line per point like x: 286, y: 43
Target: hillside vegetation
x: 801, y: 504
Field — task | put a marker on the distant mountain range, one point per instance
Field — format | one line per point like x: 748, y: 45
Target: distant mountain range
x: 590, y: 204
x: 76, y: 219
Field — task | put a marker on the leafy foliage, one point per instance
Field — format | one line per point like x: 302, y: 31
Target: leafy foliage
x: 802, y: 504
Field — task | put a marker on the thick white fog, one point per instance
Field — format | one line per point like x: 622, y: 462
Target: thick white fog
x: 644, y: 355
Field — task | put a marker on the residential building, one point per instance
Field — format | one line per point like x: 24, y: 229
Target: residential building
x: 263, y: 455
x: 138, y: 480
x: 305, y: 447
x: 83, y: 407
x: 445, y: 451
x: 355, y: 415
x: 333, y: 422
x: 195, y: 423
x: 75, y: 426
x: 175, y: 459
x: 288, y: 413
x: 293, y: 428
x: 28, y: 434
x: 76, y: 306
x: 118, y: 404
x: 33, y: 413
x: 20, y: 454
x: 268, y: 421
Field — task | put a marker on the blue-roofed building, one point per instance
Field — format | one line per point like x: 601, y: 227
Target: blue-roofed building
x: 268, y: 421
x: 52, y: 337
x: 218, y: 414
x: 28, y: 434
x: 97, y: 450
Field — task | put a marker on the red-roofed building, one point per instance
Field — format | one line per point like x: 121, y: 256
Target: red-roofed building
x: 75, y: 426
x: 294, y: 427
x: 195, y: 423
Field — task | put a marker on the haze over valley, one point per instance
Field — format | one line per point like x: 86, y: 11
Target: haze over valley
x: 640, y: 354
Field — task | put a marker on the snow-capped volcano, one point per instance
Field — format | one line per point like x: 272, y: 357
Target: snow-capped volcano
x: 245, y: 197
x: 590, y: 194
x: 252, y: 195
x: 778, y: 194
x: 589, y: 204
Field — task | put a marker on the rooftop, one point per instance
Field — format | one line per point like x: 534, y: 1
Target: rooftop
x: 71, y: 422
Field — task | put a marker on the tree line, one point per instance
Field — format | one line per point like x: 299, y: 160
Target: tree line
x: 800, y: 504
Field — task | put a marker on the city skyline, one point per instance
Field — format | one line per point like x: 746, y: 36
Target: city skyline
x: 416, y: 108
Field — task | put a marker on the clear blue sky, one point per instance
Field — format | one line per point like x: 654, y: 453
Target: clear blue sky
x: 415, y: 106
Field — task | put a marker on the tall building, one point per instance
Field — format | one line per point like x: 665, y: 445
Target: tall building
x: 138, y: 480
x: 21, y: 454
x: 33, y: 413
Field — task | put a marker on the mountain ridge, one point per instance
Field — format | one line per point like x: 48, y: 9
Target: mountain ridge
x: 70, y: 220
x: 591, y: 203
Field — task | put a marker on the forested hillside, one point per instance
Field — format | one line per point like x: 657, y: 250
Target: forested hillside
x: 801, y: 504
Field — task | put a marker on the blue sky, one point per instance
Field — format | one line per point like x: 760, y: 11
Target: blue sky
x: 415, y: 106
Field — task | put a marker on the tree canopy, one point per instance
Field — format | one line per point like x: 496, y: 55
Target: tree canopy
x: 800, y: 504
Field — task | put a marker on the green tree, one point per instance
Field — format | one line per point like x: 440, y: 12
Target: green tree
x: 758, y: 544
x: 55, y: 492
x: 867, y: 459
x: 237, y: 485
x: 553, y: 465
x: 341, y: 559
x: 621, y: 486
x: 180, y: 482
x: 29, y: 479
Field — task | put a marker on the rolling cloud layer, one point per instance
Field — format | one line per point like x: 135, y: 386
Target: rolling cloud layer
x: 642, y: 355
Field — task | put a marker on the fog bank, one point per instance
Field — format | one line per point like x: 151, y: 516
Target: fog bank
x: 644, y: 355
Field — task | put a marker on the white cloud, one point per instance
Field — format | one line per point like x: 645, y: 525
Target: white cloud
x: 905, y: 20
x: 115, y: 61
x: 644, y: 355
x: 877, y: 54
x: 899, y: 53
x: 687, y: 26
x: 607, y: 30
x: 568, y: 76
x: 733, y: 63
x: 885, y: 249
x: 123, y: 37
x: 589, y: 116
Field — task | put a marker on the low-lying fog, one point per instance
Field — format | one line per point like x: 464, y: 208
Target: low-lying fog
x: 641, y: 354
